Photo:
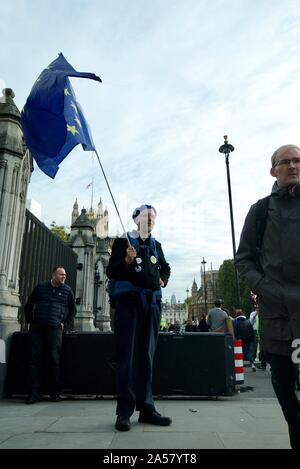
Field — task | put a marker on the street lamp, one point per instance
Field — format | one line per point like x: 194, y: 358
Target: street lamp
x: 187, y: 302
x: 226, y: 149
x: 204, y: 284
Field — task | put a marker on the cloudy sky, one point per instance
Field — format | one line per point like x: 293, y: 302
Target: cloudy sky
x: 177, y: 76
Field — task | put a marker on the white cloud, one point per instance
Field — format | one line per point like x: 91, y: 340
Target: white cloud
x: 177, y: 76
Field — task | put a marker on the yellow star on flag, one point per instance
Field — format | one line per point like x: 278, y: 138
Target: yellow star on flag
x: 74, y: 106
x: 72, y: 129
x: 66, y: 92
x: 78, y: 121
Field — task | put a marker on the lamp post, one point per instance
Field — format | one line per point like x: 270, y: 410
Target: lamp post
x: 226, y: 149
x: 187, y: 302
x: 204, y: 285
x: 96, y: 286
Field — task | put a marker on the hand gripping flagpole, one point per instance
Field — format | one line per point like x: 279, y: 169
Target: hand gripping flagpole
x: 112, y: 197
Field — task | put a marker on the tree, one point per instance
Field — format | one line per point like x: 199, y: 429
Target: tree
x: 188, y: 301
x: 59, y: 231
x: 227, y: 288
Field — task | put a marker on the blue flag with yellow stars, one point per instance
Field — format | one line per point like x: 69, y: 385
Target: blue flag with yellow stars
x: 52, y: 120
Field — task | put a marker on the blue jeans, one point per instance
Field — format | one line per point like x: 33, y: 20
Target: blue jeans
x: 284, y: 380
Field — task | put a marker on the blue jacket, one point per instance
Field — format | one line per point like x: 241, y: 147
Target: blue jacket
x: 50, y: 306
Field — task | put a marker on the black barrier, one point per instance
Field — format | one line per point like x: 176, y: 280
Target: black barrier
x: 191, y: 364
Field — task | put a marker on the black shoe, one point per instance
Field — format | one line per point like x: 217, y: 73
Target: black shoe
x: 262, y: 367
x: 294, y: 438
x: 155, y: 419
x: 31, y: 399
x: 122, y: 424
x: 55, y: 397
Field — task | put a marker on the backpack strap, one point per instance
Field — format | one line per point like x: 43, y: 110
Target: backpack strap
x: 153, y: 246
x: 134, y: 242
x: 262, y: 207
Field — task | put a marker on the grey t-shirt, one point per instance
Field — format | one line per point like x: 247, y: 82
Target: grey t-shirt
x: 216, y: 320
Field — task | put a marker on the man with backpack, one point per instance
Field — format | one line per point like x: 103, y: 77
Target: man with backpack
x: 268, y: 259
x: 138, y: 270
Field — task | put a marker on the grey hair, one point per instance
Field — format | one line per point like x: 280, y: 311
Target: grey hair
x: 280, y: 150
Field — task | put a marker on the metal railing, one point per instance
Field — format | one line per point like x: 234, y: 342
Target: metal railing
x: 42, y: 250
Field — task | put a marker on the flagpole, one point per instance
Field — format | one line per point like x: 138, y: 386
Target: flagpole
x: 113, y: 199
x: 92, y: 194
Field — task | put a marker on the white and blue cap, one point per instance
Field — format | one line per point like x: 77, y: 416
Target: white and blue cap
x: 140, y: 209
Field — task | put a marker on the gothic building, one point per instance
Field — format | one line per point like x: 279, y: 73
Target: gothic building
x: 89, y: 239
x: 202, y: 299
x: 98, y: 217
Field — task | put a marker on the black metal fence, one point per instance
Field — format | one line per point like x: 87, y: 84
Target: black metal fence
x: 42, y: 250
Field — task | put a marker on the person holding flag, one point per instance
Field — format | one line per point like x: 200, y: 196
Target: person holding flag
x: 138, y: 270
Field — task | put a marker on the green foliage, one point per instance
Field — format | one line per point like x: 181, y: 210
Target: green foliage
x: 59, y: 231
x: 227, y: 288
x: 227, y: 283
x: 188, y: 301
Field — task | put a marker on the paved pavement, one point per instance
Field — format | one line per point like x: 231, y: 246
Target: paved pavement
x: 250, y: 419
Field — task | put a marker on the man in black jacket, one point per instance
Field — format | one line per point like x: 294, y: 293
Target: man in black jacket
x: 50, y: 306
x: 269, y: 262
x: 138, y: 268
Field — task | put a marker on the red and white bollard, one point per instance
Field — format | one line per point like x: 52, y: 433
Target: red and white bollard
x: 238, y: 363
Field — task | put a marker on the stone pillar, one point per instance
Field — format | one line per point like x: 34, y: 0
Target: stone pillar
x: 15, y: 171
x: 83, y: 241
x: 103, y: 307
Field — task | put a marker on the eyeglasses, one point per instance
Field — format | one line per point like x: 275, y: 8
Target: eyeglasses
x: 295, y: 161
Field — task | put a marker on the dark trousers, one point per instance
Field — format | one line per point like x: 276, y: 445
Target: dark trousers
x: 136, y: 333
x: 262, y: 359
x: 284, y: 379
x: 248, y: 352
x: 46, y: 344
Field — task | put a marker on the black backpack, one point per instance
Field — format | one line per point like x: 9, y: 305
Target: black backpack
x: 246, y: 330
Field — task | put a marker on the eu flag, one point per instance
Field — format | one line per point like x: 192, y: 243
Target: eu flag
x: 52, y: 120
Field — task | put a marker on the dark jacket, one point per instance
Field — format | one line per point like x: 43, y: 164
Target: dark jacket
x: 50, y: 306
x: 148, y: 277
x: 243, y: 330
x: 278, y: 283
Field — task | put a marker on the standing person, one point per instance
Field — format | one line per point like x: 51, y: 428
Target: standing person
x: 50, y: 306
x: 202, y: 326
x: 254, y: 318
x: 261, y: 355
x: 244, y: 331
x: 268, y: 259
x: 139, y: 271
x: 216, y: 318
